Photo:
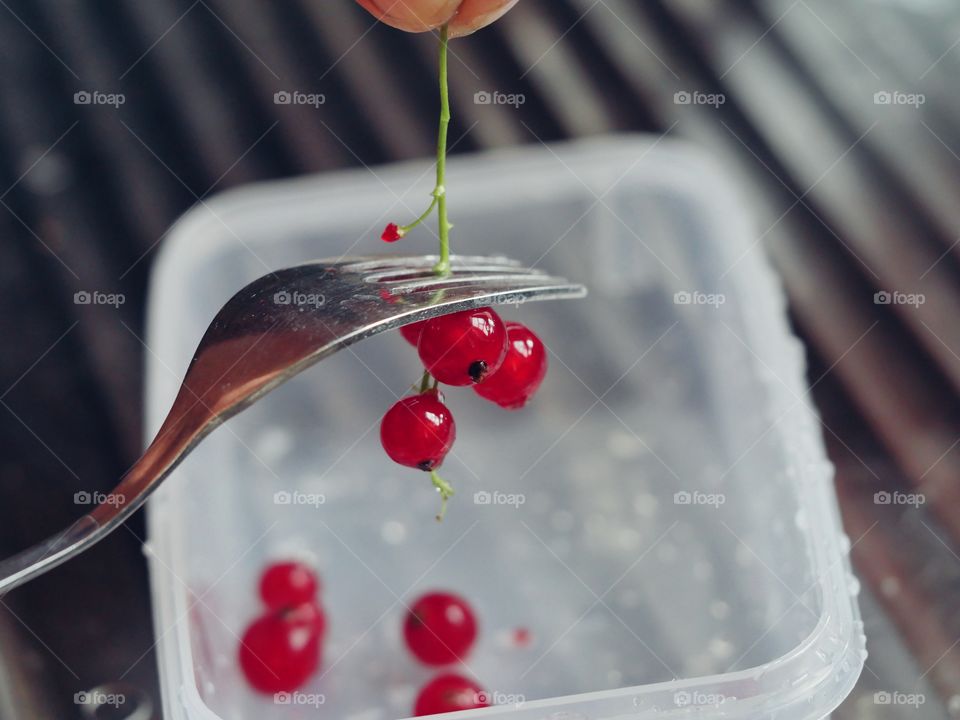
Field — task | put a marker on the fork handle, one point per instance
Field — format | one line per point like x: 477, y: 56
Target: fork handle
x: 48, y: 553
x: 124, y: 500
x: 179, y: 434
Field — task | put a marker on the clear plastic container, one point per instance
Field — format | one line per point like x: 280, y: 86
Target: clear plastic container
x: 665, y: 531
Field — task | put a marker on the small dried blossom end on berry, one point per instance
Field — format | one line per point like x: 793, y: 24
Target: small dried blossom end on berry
x: 392, y: 233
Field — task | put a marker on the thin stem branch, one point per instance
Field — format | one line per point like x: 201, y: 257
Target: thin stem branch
x: 404, y: 229
x: 445, y: 490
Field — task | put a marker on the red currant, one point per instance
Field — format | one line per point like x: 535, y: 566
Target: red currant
x: 440, y: 628
x: 411, y: 332
x: 464, y: 347
x: 308, y: 614
x: 392, y: 233
x: 449, y: 693
x: 281, y: 650
x: 286, y: 584
x: 521, y: 373
x: 418, y: 431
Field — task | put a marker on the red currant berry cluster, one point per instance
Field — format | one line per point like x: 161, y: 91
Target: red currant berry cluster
x: 504, y: 362
x: 440, y: 628
x: 280, y: 650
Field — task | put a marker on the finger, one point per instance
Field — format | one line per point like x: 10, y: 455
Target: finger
x: 476, y: 14
x: 412, y: 15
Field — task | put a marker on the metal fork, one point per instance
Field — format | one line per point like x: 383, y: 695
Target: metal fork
x: 272, y: 330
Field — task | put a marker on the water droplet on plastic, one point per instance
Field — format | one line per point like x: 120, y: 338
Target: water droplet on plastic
x: 393, y: 532
x: 624, y: 446
x: 853, y: 585
x: 801, y: 520
x: 719, y: 609
x: 645, y: 505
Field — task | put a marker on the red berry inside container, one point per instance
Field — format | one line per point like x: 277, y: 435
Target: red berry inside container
x: 465, y: 347
x: 440, y: 628
x: 449, y: 693
x: 521, y: 372
x: 286, y: 584
x: 281, y: 650
x: 418, y: 431
x: 309, y: 615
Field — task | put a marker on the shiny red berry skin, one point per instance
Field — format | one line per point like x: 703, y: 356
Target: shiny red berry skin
x: 465, y: 347
x: 411, y: 332
x: 521, y: 372
x: 281, y: 650
x: 392, y: 233
x: 440, y: 628
x: 308, y: 614
x: 449, y: 693
x: 286, y: 584
x: 418, y: 431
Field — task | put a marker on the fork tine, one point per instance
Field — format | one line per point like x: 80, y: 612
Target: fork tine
x: 506, y: 281
x: 385, y: 262
x: 393, y: 276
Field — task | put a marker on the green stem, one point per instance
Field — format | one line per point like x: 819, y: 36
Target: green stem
x: 425, y: 382
x: 407, y: 228
x: 440, y: 192
x: 445, y: 490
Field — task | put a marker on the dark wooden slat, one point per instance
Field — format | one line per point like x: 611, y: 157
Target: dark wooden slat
x: 181, y: 73
x: 137, y: 191
x: 261, y: 50
x: 913, y: 594
x: 354, y: 54
x: 554, y: 72
x: 53, y: 214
